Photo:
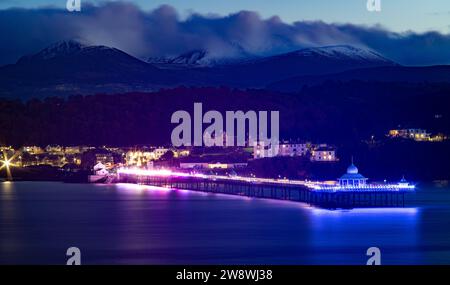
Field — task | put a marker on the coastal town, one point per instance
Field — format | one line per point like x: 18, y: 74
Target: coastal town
x: 157, y: 156
x: 79, y: 162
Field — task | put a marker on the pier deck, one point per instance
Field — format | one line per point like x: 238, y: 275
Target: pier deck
x: 265, y: 188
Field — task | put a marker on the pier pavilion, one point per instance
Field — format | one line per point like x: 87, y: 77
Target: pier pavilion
x: 352, y: 178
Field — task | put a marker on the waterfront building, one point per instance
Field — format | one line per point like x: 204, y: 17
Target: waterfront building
x: 70, y: 150
x: 284, y: 149
x: 100, y: 169
x: 420, y: 135
x: 160, y: 152
x: 54, y: 149
x: 33, y: 150
x: 52, y: 160
x: 6, y: 148
x: 323, y: 153
x: 105, y: 158
x: 352, y: 178
x: 143, y: 157
x: 414, y: 134
x: 261, y: 151
x: 438, y: 138
x: 138, y: 158
x: 293, y: 149
x: 180, y: 152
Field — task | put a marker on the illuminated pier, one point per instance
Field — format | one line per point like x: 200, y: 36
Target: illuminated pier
x: 321, y: 194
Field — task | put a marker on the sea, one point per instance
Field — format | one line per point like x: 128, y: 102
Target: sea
x: 135, y: 224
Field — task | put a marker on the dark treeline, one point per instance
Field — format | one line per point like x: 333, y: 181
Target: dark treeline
x: 339, y: 113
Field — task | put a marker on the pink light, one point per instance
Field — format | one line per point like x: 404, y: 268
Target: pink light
x: 316, y: 186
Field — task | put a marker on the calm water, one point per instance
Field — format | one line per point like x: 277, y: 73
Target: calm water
x: 130, y: 224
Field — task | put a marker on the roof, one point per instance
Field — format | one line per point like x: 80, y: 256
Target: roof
x: 352, y: 176
x: 325, y: 148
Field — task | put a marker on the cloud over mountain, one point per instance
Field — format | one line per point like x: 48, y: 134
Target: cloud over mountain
x: 162, y: 32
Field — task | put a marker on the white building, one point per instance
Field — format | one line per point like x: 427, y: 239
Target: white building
x: 323, y: 153
x: 284, y: 149
x: 142, y: 158
x: 32, y: 149
x: 54, y: 149
x: 100, y: 169
x: 293, y: 149
x: 414, y: 134
x: 262, y: 151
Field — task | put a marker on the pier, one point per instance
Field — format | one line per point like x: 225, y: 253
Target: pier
x: 312, y: 193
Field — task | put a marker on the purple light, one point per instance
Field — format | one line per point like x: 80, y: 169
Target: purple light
x: 315, y: 186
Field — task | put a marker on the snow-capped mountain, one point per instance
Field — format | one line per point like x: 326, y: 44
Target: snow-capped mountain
x: 308, y: 61
x: 333, y: 54
x: 198, y: 58
x: 64, y: 49
x: 72, y: 67
x: 189, y: 59
x: 344, y: 53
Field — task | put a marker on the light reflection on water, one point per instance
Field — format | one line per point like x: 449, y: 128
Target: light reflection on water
x: 137, y: 224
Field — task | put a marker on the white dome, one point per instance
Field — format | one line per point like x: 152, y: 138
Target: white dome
x: 352, y: 169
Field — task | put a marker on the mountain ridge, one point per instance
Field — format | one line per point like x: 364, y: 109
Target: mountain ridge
x: 72, y: 67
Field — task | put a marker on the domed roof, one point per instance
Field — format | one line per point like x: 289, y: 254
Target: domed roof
x: 352, y: 169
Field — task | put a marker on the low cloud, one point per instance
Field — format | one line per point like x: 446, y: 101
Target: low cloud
x: 161, y: 32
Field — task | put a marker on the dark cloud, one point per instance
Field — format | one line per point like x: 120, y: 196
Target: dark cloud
x: 162, y: 32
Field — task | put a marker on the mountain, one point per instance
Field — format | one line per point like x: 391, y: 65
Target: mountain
x: 343, y: 53
x: 308, y: 61
x: 198, y: 58
x: 188, y: 59
x: 72, y: 67
x: 401, y: 74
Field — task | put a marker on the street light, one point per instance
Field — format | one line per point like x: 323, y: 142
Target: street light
x: 7, y: 164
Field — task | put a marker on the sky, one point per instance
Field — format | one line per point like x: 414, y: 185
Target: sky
x: 396, y: 15
x: 406, y: 31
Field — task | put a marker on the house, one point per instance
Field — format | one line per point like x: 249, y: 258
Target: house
x: 54, y: 149
x: 323, y: 153
x: 283, y: 149
x: 105, y: 158
x: 293, y: 149
x: 32, y: 150
x: 160, y: 152
x: 414, y: 134
x: 100, y: 169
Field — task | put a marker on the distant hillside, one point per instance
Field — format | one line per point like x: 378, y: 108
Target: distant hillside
x: 70, y: 67
x: 405, y: 74
x: 310, y: 61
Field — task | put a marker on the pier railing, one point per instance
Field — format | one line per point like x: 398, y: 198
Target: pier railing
x: 312, y: 193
